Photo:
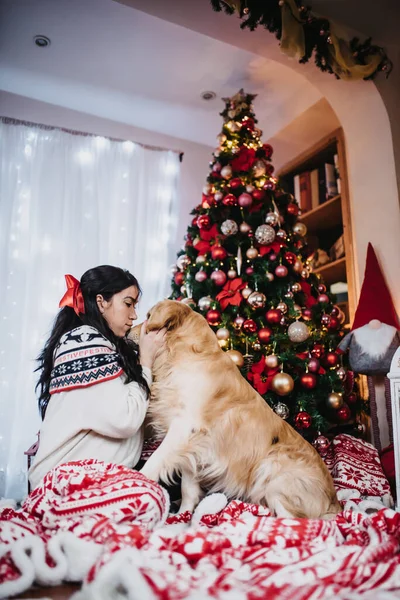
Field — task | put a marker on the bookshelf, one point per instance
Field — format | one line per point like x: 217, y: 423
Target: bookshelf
x: 325, y: 210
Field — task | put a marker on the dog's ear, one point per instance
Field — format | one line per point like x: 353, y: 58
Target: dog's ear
x: 169, y: 314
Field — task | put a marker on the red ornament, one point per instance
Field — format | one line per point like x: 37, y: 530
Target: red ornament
x: 308, y: 381
x: 269, y: 169
x: 218, y: 277
x: 213, y: 317
x: 351, y: 398
x: 203, y: 222
x: 313, y: 365
x: 281, y: 271
x: 235, y: 183
x: 194, y: 221
x: 331, y: 359
x: 321, y: 288
x: 321, y: 444
x: 273, y: 316
x: 335, y: 312
x: 317, y: 351
x: 258, y: 195
x: 307, y: 314
x: 344, y: 413
x: 264, y: 335
x: 303, y: 420
x: 290, y: 258
x: 293, y: 209
x: 323, y: 298
x: 268, y: 150
x: 218, y: 253
x: 178, y: 278
x: 249, y: 326
x: 229, y: 200
x: 334, y: 323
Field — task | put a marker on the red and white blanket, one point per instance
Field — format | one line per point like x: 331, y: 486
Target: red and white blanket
x: 108, y: 526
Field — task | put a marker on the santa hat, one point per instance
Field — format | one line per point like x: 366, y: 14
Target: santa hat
x: 375, y: 301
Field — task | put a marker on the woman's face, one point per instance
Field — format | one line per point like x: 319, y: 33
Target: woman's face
x: 119, y: 311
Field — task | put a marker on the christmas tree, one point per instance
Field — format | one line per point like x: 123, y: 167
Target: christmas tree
x: 246, y: 267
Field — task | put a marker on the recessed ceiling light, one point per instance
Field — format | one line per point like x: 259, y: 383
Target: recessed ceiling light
x: 208, y: 95
x: 42, y: 41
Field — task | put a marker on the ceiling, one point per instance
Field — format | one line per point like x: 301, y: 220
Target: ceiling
x: 146, y: 62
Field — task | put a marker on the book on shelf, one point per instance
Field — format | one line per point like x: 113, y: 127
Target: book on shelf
x: 337, y: 251
x: 312, y: 188
x: 337, y: 173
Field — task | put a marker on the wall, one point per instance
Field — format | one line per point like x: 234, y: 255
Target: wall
x: 194, y: 168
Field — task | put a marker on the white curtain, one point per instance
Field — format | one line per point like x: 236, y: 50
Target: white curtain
x: 69, y: 202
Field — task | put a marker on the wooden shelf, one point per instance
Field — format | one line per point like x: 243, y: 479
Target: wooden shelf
x: 324, y: 216
x: 333, y: 271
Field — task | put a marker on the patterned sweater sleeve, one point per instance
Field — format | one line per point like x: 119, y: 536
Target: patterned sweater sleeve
x: 86, y: 366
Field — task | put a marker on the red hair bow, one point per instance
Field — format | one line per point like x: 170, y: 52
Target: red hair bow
x: 73, y: 297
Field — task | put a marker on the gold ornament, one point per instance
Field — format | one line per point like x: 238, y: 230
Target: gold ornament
x: 223, y: 343
x: 334, y: 400
x: 222, y: 333
x: 244, y: 227
x: 298, y: 332
x: 300, y: 229
x: 305, y: 274
x: 296, y: 287
x: 236, y: 357
x: 257, y: 346
x: 226, y: 172
x: 282, y: 384
x: 298, y: 266
x: 270, y: 276
x: 256, y: 300
x: 252, y: 253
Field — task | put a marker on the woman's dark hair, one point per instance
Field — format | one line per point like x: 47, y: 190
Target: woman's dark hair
x: 107, y: 281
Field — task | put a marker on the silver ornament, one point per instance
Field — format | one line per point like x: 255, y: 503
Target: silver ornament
x: 250, y: 188
x: 239, y: 260
x: 231, y: 274
x: 298, y: 332
x: 272, y: 218
x: 281, y: 410
x: 296, y: 287
x: 183, y: 261
x: 270, y: 276
x: 222, y: 333
x: 229, y: 227
x: 256, y: 300
x: 218, y: 196
x: 226, y: 172
x: 244, y: 227
x: 300, y: 229
x: 282, y: 307
x: 204, y: 303
x: 200, y: 259
x: 259, y: 168
x: 265, y: 234
x: 246, y: 292
x: 305, y: 274
x: 289, y: 294
x: 341, y: 373
x: 281, y: 234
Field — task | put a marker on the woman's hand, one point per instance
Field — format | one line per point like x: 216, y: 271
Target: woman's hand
x: 150, y: 343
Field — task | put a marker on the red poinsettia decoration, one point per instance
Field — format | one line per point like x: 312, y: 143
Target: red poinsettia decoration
x: 261, y: 376
x: 310, y: 300
x: 230, y: 293
x: 267, y: 248
x: 244, y: 159
x: 203, y: 245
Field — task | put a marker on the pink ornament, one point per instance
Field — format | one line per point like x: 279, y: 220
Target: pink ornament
x: 313, y: 365
x: 218, y: 277
x: 238, y: 322
x: 272, y: 256
x: 323, y: 298
x: 249, y: 271
x: 245, y: 200
x: 281, y: 271
x: 200, y: 276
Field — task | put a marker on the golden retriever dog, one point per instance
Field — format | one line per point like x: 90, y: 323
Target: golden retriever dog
x: 218, y: 433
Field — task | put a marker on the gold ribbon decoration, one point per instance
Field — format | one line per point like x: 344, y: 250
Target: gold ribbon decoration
x: 292, y: 40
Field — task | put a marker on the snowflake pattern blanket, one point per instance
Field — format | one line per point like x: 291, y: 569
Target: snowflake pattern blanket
x: 108, y: 526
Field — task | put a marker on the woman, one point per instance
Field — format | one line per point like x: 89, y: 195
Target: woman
x: 94, y: 381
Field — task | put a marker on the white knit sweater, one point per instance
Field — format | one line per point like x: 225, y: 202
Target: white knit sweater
x: 95, y: 415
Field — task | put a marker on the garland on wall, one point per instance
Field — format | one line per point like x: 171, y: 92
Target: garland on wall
x: 302, y: 33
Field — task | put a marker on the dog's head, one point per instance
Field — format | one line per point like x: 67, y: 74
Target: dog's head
x: 168, y: 314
